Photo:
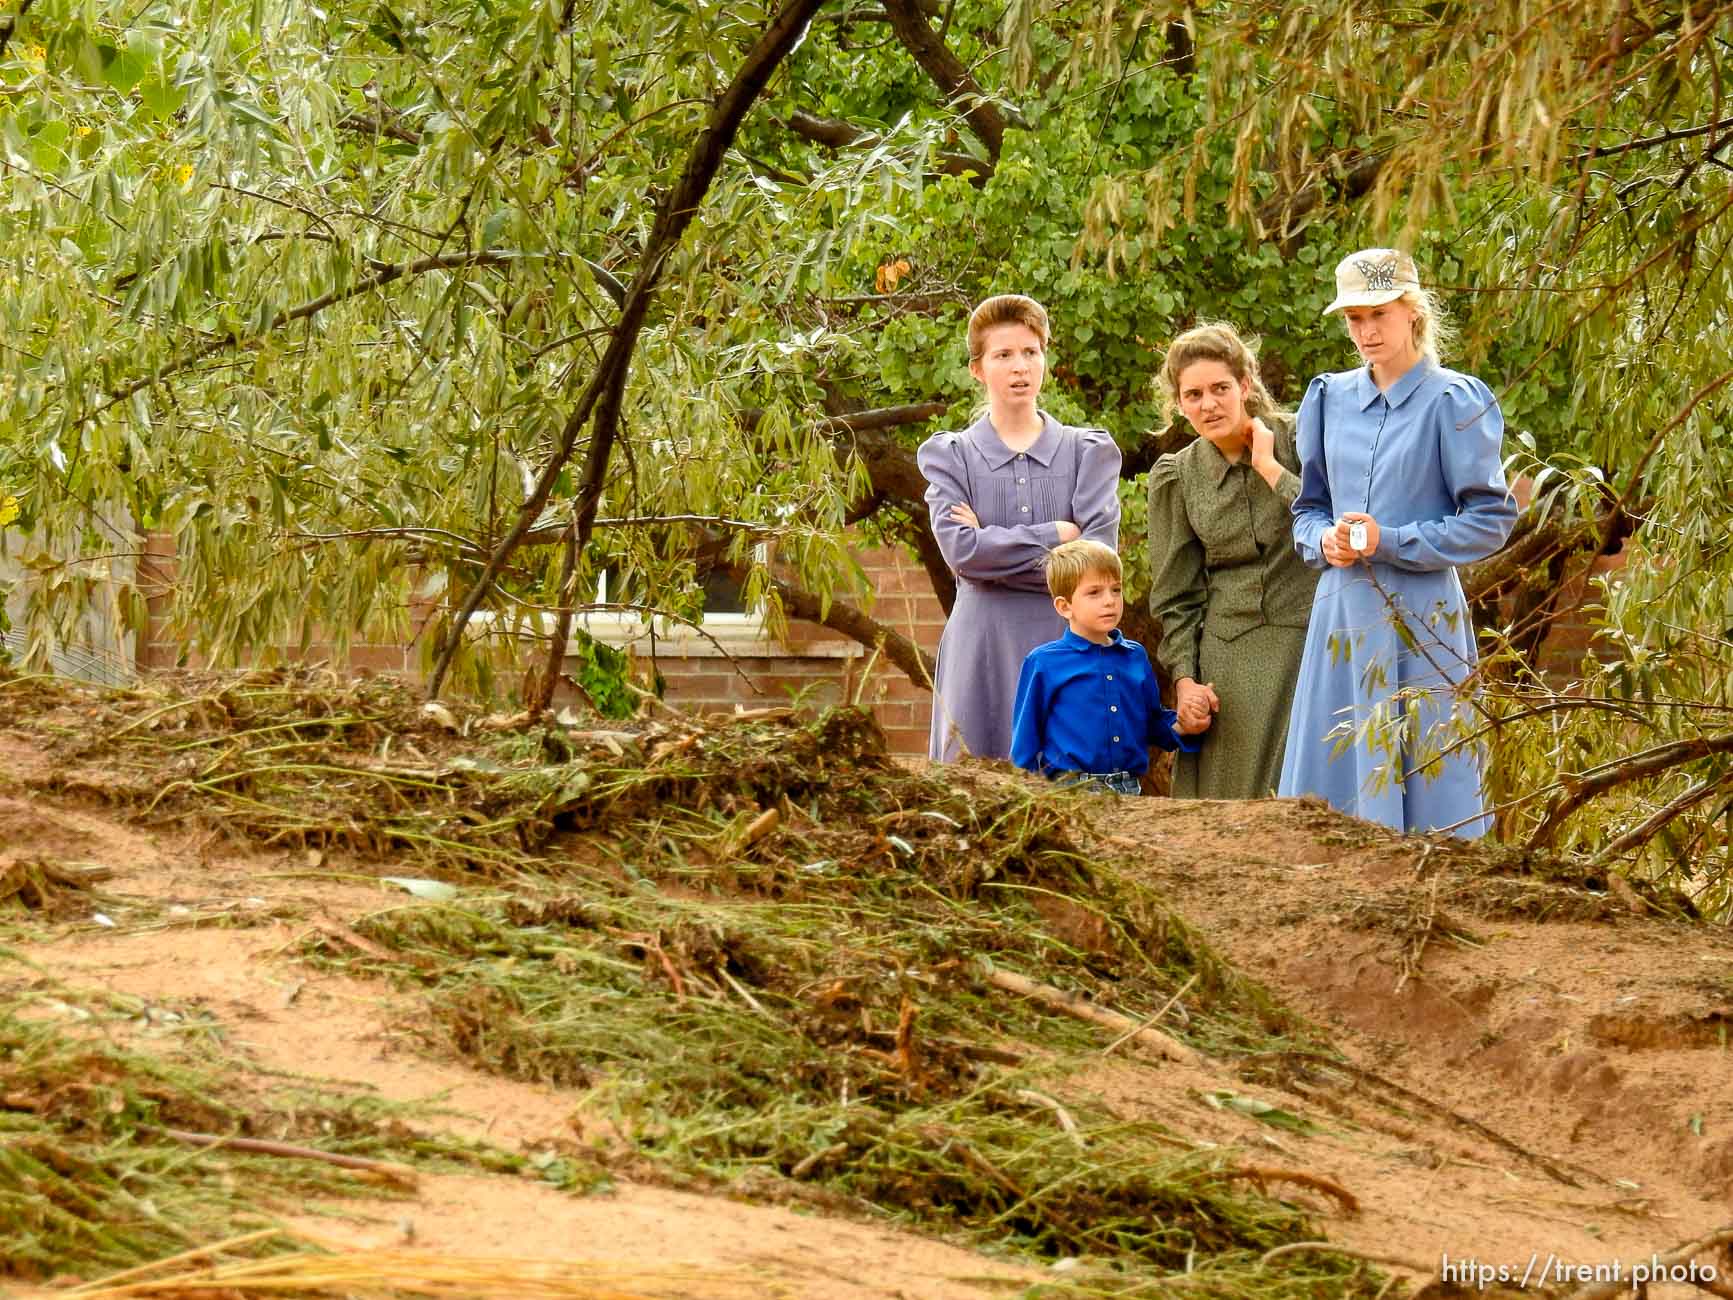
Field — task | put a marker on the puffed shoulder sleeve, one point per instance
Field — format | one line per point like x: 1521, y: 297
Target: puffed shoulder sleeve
x: 1010, y: 554
x: 1095, y: 497
x: 1313, y: 511
x: 1470, y: 430
x: 1177, y: 588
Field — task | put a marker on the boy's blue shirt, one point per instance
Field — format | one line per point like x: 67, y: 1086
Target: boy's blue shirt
x: 1083, y: 707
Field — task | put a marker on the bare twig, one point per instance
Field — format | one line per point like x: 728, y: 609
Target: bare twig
x: 1074, y: 1004
x: 1153, y: 1020
x: 1261, y: 1174
x: 1678, y: 1255
x: 1059, y: 1113
x: 261, y: 1147
x: 1551, y: 1169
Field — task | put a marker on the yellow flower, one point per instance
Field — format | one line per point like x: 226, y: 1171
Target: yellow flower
x: 36, y: 52
x: 184, y: 173
x: 8, y: 510
x: 81, y: 131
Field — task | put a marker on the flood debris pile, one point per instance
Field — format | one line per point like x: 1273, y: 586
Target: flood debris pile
x: 113, y: 1154
x: 780, y: 964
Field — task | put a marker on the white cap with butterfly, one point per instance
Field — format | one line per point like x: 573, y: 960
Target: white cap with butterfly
x: 1373, y: 277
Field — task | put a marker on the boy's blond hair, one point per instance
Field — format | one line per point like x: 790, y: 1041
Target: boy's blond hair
x: 1070, y: 563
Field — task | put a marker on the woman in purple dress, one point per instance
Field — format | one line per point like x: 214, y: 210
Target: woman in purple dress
x: 1001, y: 494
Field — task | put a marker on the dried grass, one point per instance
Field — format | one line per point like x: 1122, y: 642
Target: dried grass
x: 399, y: 1275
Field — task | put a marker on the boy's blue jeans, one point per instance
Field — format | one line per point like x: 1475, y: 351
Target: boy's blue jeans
x: 1103, y: 782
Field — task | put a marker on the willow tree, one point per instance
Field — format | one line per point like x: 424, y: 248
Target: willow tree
x: 381, y: 308
x: 372, y: 306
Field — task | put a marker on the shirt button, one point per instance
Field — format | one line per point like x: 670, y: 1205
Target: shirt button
x: 1022, y: 480
x: 1113, y: 708
x: 1025, y: 509
x: 1019, y: 455
x: 1109, y: 676
x: 1116, y: 740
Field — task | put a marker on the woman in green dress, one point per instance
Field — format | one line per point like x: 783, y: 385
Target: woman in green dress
x: 1230, y: 592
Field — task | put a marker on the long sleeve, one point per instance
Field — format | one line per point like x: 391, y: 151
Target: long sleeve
x: 1178, y: 586
x: 1313, y: 511
x: 1010, y: 554
x: 1163, y: 722
x: 1027, y: 714
x: 1287, y: 487
x: 1095, y: 499
x: 1470, y: 430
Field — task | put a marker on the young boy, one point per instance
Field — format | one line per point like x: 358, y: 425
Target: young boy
x: 1088, y: 706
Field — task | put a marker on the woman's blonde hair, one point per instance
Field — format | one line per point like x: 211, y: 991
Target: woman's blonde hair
x: 1434, y: 332
x: 1005, y: 309
x: 1215, y: 341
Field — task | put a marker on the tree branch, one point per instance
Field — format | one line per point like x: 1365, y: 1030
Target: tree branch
x: 1638, y: 836
x: 1578, y: 790
x: 360, y: 122
x: 852, y: 623
x: 884, y: 417
x: 1650, y: 142
x: 834, y: 133
x: 910, y: 24
x: 1278, y: 214
x: 12, y: 25
x: 831, y: 132
x: 605, y: 393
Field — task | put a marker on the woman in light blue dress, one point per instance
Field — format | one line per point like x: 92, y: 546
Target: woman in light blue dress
x: 1400, y: 481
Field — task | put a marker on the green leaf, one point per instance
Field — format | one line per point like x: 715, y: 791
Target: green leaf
x: 126, y: 69
x: 1261, y: 1111
x: 160, y: 97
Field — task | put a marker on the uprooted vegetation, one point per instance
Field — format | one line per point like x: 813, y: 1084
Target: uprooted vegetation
x: 763, y: 959
x: 776, y: 960
x: 113, y: 1154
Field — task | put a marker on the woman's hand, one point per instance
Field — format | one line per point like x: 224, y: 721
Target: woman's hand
x: 1334, y: 543
x: 1068, y: 531
x: 1195, y: 703
x: 962, y: 513
x: 1263, y: 441
x: 1353, y: 517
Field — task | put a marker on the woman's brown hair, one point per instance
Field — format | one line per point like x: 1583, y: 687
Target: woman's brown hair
x: 1215, y: 341
x: 1005, y: 309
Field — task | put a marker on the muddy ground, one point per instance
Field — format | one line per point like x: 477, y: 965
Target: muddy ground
x: 1534, y: 1071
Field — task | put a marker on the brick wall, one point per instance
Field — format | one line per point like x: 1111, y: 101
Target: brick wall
x: 1572, y: 638
x: 811, y: 662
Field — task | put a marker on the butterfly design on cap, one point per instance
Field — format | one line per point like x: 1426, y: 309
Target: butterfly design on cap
x: 1380, y: 273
